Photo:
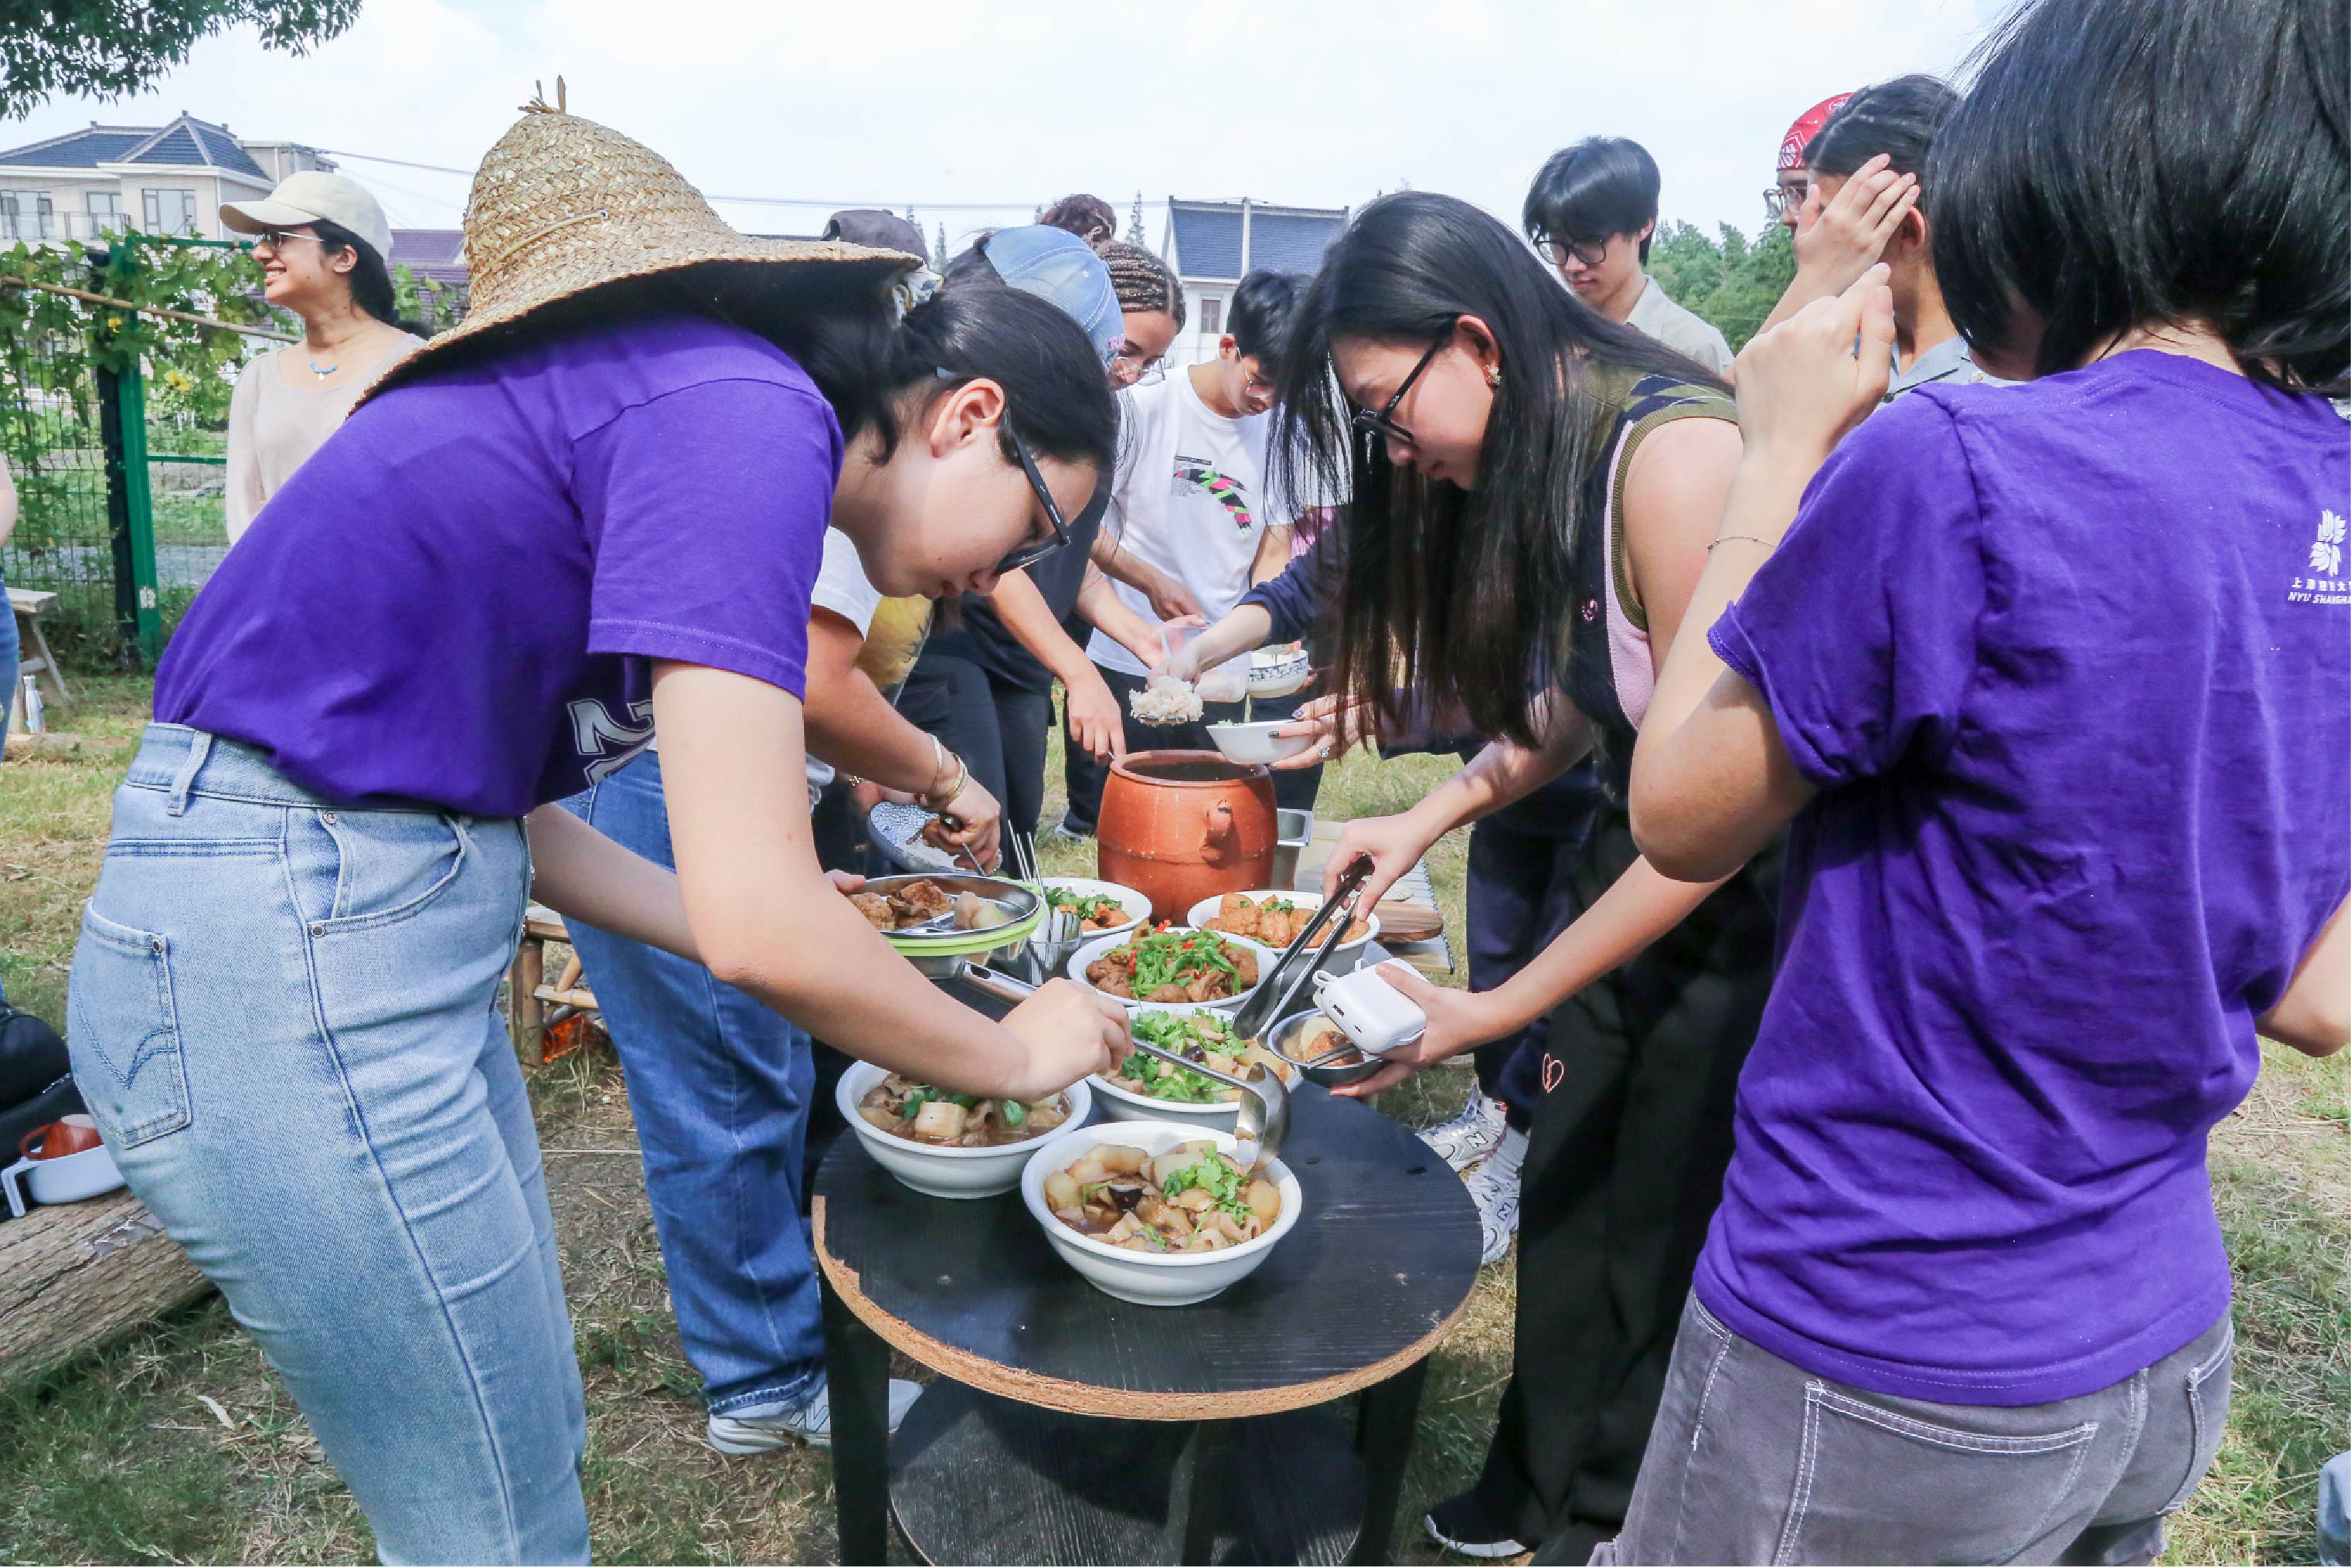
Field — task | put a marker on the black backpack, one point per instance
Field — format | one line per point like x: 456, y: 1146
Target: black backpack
x: 37, y: 1084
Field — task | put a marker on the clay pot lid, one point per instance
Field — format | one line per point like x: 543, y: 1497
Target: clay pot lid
x: 1187, y: 769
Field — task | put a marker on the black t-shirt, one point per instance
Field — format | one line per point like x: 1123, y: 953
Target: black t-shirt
x: 986, y: 640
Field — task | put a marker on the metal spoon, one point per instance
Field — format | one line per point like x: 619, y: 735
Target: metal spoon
x: 1263, y: 1122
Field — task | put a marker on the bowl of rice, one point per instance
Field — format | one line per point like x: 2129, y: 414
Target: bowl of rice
x: 1166, y: 702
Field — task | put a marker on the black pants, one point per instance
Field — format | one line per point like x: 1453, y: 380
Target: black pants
x: 1084, y: 777
x: 1623, y: 1169
x: 995, y: 726
x: 1523, y: 892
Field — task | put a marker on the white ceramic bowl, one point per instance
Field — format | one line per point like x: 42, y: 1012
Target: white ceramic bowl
x: 1277, y: 672
x: 1153, y: 1278
x: 1256, y: 742
x: 1118, y: 1104
x: 945, y: 1173
x: 1090, y: 951
x: 1345, y: 959
x: 68, y: 1178
x: 1137, y: 907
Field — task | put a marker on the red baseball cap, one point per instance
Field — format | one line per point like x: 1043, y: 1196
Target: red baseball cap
x: 1808, y: 125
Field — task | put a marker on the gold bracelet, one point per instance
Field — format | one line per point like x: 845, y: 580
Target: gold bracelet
x: 1750, y: 539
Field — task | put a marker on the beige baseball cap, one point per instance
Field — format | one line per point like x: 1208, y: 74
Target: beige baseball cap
x: 308, y: 196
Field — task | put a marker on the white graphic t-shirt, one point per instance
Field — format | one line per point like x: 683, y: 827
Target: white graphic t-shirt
x: 1187, y: 498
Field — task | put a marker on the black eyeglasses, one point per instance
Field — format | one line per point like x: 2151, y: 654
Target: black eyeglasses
x: 1559, y: 250
x: 1031, y: 553
x: 1382, y: 427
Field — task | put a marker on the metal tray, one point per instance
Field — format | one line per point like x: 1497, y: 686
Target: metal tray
x: 1021, y: 904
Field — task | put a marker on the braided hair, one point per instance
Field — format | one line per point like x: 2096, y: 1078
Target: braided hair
x: 1142, y: 281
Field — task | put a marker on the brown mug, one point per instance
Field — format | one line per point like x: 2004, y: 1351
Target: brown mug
x: 71, y: 1136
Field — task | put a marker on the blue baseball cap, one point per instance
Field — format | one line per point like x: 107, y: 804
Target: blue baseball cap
x: 1061, y: 269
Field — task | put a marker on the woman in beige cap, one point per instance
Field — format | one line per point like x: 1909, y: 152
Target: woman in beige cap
x: 321, y: 241
x: 596, y: 504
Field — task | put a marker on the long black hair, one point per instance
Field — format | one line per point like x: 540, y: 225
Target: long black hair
x: 1463, y: 595
x: 371, y: 279
x: 2118, y: 164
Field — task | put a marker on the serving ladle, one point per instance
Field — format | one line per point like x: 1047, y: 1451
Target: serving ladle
x: 1263, y: 1119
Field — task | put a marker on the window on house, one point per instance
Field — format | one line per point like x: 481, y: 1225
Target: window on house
x: 24, y: 214
x: 1212, y: 317
x: 105, y: 209
x: 171, y: 212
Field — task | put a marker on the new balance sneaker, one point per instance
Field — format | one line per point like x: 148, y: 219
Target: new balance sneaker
x: 810, y: 1424
x: 1493, y: 1184
x: 1471, y: 1135
x: 1459, y: 1524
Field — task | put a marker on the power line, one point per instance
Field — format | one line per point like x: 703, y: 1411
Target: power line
x: 829, y: 205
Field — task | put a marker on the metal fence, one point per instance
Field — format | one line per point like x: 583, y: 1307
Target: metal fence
x: 120, y: 515
x: 65, y: 538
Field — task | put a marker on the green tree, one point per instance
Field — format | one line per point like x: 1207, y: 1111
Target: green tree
x: 108, y: 47
x: 1732, y: 281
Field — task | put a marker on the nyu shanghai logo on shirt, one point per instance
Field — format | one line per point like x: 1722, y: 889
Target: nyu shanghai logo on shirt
x: 605, y: 744
x: 1194, y: 473
x: 2326, y: 584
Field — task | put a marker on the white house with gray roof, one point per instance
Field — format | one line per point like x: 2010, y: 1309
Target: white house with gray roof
x: 1212, y: 246
x: 158, y: 179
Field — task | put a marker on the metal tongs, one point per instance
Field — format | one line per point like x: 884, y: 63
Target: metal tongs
x: 1274, y: 993
x: 1263, y: 1121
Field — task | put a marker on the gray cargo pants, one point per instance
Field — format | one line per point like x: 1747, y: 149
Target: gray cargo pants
x: 1753, y: 1459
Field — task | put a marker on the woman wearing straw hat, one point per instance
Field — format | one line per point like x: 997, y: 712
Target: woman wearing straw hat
x: 321, y: 241
x: 598, y: 504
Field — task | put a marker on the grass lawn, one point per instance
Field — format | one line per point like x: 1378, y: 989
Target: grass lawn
x: 177, y: 1443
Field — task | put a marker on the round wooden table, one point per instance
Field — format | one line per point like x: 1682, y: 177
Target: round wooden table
x: 1071, y: 1428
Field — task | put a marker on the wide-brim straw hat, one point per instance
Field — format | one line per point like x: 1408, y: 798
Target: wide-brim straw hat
x: 563, y: 208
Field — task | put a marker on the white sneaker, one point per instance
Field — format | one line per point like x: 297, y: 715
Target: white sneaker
x: 1470, y: 1136
x: 1493, y: 1184
x: 810, y: 1424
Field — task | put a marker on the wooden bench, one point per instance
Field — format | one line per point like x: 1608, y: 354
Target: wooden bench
x: 30, y: 605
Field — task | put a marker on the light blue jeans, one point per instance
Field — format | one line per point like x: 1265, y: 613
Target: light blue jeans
x: 283, y: 1018
x: 719, y: 1085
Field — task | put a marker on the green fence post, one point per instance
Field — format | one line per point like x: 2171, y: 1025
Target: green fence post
x: 146, y: 621
x: 131, y: 507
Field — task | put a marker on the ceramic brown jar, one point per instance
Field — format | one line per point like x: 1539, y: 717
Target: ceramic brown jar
x: 1181, y: 826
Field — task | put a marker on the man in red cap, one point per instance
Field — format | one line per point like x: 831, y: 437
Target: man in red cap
x: 1785, y: 199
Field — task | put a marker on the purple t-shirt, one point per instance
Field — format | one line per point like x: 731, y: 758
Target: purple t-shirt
x: 454, y: 600
x: 2071, y: 664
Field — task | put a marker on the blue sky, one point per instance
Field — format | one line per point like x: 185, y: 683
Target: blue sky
x: 1318, y: 102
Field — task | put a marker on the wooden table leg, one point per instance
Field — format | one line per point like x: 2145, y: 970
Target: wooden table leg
x: 525, y: 1012
x: 49, y: 661
x: 1384, y: 1425
x: 1194, y: 1483
x: 857, y: 1371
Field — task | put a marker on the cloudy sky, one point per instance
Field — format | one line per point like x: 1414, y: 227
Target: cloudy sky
x: 1009, y: 103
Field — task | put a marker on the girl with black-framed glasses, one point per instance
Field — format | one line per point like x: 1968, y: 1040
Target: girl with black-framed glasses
x: 1533, y: 485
